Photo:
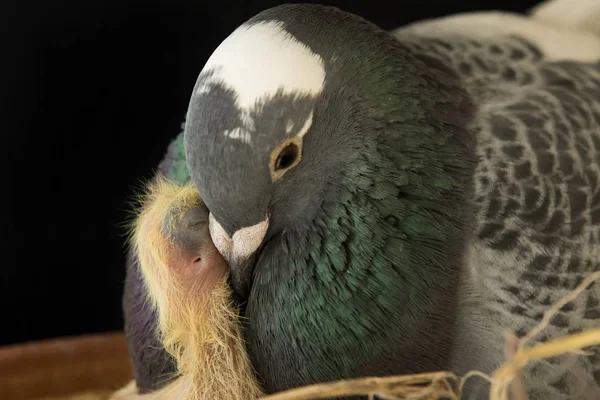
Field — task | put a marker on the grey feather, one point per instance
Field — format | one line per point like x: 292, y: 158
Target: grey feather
x: 537, y: 199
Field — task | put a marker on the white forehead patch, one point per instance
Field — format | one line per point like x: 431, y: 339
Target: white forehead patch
x: 260, y: 59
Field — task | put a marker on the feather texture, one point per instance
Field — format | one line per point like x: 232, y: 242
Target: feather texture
x: 537, y: 193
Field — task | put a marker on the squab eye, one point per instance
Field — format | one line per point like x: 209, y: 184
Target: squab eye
x: 287, y: 157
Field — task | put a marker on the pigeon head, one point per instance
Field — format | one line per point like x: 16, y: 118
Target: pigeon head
x: 268, y: 128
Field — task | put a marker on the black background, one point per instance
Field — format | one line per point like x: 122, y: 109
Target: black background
x: 93, y: 93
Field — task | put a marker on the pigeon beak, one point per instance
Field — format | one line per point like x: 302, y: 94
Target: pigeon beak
x: 239, y: 250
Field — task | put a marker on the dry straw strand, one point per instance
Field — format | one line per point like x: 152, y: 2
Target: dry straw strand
x: 415, y: 386
x: 551, y: 312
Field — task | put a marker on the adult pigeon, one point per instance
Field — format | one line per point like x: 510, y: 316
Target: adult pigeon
x: 391, y: 203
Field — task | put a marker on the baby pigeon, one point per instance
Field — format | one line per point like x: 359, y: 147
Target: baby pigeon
x: 183, y: 331
x: 153, y: 368
x: 391, y: 203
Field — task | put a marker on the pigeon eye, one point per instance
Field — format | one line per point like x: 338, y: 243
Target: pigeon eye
x: 287, y: 156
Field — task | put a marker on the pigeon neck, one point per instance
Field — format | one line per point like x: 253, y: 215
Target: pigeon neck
x: 369, y: 286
